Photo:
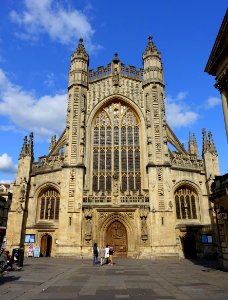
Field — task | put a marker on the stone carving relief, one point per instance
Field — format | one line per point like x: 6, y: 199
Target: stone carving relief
x: 143, y: 213
x: 88, y: 224
x: 23, y: 191
x: 150, y: 148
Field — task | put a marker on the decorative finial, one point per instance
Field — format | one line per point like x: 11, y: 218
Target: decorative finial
x: 211, y: 143
x: 116, y: 58
x: 205, y: 142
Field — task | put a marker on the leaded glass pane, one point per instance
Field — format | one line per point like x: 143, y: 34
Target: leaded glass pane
x: 182, y: 207
x: 193, y: 207
x: 123, y: 136
x: 95, y: 183
x: 102, y: 183
x: 108, y: 160
x: 95, y: 160
x: 124, y: 160
x: 177, y: 207
x: 42, y: 205
x: 46, y: 207
x: 188, y: 208
x: 57, y: 209
x: 129, y: 136
x: 136, y: 136
x: 108, y: 183
x: 116, y: 136
x: 102, y: 136
x: 137, y: 160
x: 138, y: 182
x: 131, y: 182
x: 124, y: 183
x: 51, y: 214
x: 116, y: 160
x: 130, y: 160
x: 96, y: 136
x: 102, y: 160
x: 108, y: 136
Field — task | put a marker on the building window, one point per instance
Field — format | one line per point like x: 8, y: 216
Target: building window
x: 49, y: 202
x: 116, y: 148
x: 206, y: 239
x: 185, y: 201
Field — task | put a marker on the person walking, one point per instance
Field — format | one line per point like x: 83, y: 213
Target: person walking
x: 111, y: 255
x: 95, y: 254
x: 102, y: 255
x: 107, y: 254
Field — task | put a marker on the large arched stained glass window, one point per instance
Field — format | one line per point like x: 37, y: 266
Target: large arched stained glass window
x: 185, y: 200
x: 116, y: 148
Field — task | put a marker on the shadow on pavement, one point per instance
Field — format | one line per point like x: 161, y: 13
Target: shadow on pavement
x: 207, y: 264
x: 5, y: 279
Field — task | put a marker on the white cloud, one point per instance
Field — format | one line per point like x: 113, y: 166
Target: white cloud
x: 6, y: 164
x: 182, y: 95
x: 48, y: 17
x: 212, y: 102
x: 44, y: 116
x: 178, y: 114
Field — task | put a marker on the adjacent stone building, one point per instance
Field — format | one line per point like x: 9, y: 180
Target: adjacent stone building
x: 217, y: 66
x: 118, y: 174
x: 5, y: 202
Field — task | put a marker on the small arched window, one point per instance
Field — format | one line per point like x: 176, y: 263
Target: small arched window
x: 49, y: 202
x: 185, y: 201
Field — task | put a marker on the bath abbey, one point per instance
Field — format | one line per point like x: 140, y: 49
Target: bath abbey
x: 118, y: 174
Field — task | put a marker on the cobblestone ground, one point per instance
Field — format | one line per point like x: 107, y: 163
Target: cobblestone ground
x: 55, y: 278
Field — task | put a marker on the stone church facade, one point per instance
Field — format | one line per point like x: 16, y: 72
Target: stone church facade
x: 112, y: 177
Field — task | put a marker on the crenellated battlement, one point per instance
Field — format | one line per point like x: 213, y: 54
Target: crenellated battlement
x: 129, y: 71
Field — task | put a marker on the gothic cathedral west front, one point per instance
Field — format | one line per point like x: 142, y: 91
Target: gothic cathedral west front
x: 118, y: 174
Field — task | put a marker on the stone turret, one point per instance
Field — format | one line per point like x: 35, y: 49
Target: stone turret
x: 153, y: 90
x: 210, y: 157
x: 153, y: 70
x: 77, y: 105
x: 79, y: 66
x: 21, y: 188
x: 52, y: 143
x: 211, y: 144
x: 116, y: 70
x: 192, y: 145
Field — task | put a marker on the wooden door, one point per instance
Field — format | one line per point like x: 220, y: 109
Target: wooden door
x: 43, y: 247
x: 116, y: 237
x: 46, y: 245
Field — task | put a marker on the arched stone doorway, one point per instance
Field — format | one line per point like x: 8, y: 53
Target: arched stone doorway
x: 46, y: 245
x: 189, y: 245
x: 116, y: 237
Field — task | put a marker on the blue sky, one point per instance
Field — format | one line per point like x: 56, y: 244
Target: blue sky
x: 37, y: 38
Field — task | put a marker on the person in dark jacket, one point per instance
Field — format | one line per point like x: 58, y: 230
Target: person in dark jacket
x: 95, y: 254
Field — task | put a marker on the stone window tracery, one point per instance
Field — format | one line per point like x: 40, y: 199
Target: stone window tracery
x: 49, y: 202
x: 185, y: 200
x: 116, y: 148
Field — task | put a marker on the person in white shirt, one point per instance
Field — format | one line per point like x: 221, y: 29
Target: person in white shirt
x: 107, y: 254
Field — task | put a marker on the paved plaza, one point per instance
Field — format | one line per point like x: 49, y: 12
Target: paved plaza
x: 58, y: 278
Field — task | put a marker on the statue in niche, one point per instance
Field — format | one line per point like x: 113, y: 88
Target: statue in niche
x: 143, y: 213
x: 83, y: 109
x: 88, y: 229
x: 115, y: 77
x: 144, y: 232
x: 150, y: 147
x: 148, y: 118
x: 115, y: 184
x: 23, y: 190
